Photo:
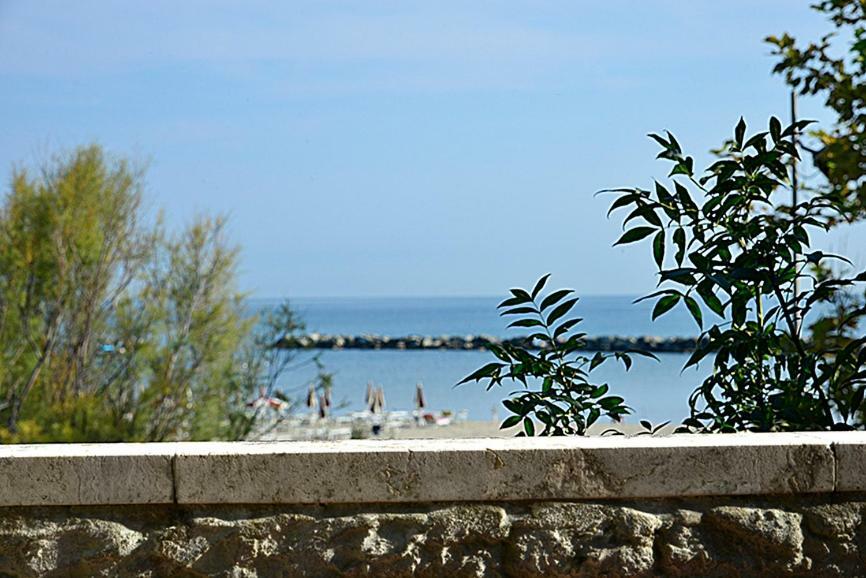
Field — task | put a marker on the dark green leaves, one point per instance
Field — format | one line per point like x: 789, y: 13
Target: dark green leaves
x: 510, y: 421
x: 556, y: 394
x: 539, y: 285
x: 775, y: 129
x: 740, y: 133
x: 739, y: 248
x: 664, y: 305
x: 680, y: 242
x: 710, y: 299
x: 659, y: 248
x: 560, y: 310
x: 554, y: 298
x: 489, y: 370
x: 633, y: 235
x: 599, y: 391
x: 695, y: 310
x: 526, y: 323
x: 522, y: 295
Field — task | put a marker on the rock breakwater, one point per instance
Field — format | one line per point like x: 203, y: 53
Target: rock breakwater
x: 481, y: 342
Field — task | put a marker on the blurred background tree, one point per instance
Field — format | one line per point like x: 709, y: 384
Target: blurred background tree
x: 834, y: 67
x: 110, y: 328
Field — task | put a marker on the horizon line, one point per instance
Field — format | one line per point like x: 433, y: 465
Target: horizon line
x: 363, y: 297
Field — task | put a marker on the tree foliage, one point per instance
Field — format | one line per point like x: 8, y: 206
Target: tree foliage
x: 834, y: 67
x: 110, y: 328
x: 728, y: 241
x: 557, y: 391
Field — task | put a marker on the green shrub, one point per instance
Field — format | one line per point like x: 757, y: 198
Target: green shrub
x: 727, y: 239
x: 557, y: 391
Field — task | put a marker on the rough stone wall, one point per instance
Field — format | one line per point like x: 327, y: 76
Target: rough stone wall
x: 818, y: 535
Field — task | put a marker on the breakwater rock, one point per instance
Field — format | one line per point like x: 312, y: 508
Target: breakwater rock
x: 480, y: 342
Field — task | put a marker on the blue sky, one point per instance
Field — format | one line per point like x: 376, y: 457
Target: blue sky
x: 397, y: 148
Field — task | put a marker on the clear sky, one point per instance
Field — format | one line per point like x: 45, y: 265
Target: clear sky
x: 397, y: 148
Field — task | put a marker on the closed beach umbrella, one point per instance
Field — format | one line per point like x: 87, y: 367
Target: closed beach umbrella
x: 311, y: 397
x: 326, y: 400
x: 420, y: 403
x: 380, y: 398
x: 323, y: 407
x: 368, y: 399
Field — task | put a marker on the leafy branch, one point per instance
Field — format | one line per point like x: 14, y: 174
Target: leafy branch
x: 557, y: 391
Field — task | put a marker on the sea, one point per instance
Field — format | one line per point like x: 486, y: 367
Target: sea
x: 656, y: 390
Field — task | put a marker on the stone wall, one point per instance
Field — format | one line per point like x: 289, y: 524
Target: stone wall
x: 759, y: 505
x: 813, y: 536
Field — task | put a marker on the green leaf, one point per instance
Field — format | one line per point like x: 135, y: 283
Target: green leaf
x: 775, y: 129
x: 683, y: 168
x: 597, y: 360
x: 647, y: 212
x: 740, y: 133
x: 712, y: 301
x: 654, y: 294
x: 664, y: 196
x: 660, y: 140
x: 685, y: 198
x: 526, y: 323
x: 682, y: 275
x: 539, y: 286
x: 621, y: 202
x: 487, y: 371
x: 695, y: 310
x: 857, y: 399
x: 697, y: 355
x: 510, y: 421
x: 625, y: 358
x: 680, y: 242
x: 757, y: 141
x: 514, y: 406
x: 611, y: 402
x: 659, y: 248
x: 674, y: 144
x: 554, y: 298
x: 664, y: 305
x: 510, y: 302
x: 519, y: 311
x: 521, y: 294
x: 528, y: 427
x: 599, y: 391
x: 560, y: 310
x: 565, y: 326
x: 635, y: 234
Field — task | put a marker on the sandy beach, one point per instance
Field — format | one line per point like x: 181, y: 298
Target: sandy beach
x: 458, y: 430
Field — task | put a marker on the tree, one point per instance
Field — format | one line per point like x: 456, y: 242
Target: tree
x: 70, y: 244
x: 110, y: 328
x: 828, y: 69
x: 739, y: 248
x: 259, y: 367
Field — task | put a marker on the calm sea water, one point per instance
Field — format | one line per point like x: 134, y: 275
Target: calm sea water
x: 656, y: 390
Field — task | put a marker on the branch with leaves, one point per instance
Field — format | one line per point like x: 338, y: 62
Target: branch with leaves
x: 740, y: 248
x: 557, y: 391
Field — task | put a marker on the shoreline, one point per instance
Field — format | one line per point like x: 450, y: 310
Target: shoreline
x: 332, y: 430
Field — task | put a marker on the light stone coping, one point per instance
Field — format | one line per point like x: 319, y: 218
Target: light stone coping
x: 372, y: 471
x: 849, y: 449
x: 85, y: 474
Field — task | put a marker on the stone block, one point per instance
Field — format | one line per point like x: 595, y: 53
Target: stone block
x: 850, y: 451
x: 84, y: 474
x: 366, y: 471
